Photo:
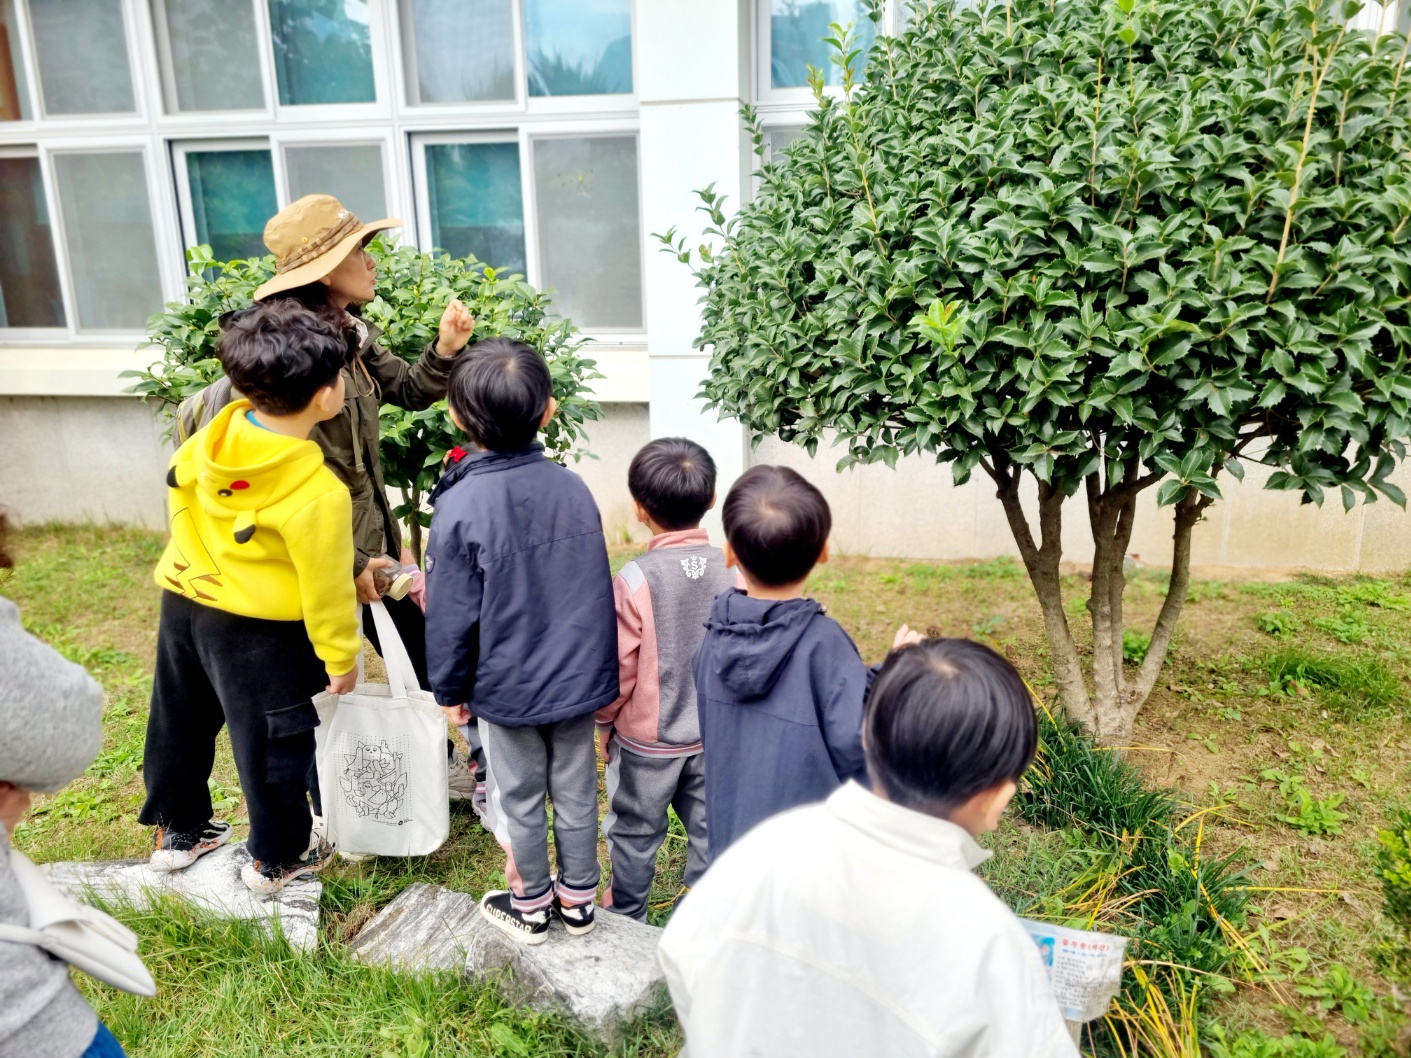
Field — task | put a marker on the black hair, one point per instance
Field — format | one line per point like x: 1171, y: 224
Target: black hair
x: 947, y: 719
x: 499, y: 389
x: 278, y: 354
x: 314, y: 297
x: 674, y: 481
x: 777, y: 524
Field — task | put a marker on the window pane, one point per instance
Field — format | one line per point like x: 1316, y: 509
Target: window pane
x: 232, y: 195
x: 578, y: 47
x: 215, y: 56
x: 29, y: 276
x: 108, y: 233
x: 797, y: 29
x: 464, y: 50
x: 81, y: 47
x: 589, y: 238
x: 14, y: 94
x: 353, y: 175
x: 477, y: 209
x: 777, y: 139
x: 322, y: 51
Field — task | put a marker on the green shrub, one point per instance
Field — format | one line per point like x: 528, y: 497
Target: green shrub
x: 1091, y: 247
x: 1135, y: 645
x: 413, y: 289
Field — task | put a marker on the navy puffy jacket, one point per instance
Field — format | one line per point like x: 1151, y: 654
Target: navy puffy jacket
x: 779, y: 687
x: 520, y: 623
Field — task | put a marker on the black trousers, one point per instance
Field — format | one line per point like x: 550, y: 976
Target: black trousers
x: 255, y: 677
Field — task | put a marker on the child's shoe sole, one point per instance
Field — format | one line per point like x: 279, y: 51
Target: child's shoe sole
x: 578, y: 930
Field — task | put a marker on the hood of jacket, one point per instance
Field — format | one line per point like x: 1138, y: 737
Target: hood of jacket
x: 751, y: 639
x: 483, y: 462
x: 239, y: 468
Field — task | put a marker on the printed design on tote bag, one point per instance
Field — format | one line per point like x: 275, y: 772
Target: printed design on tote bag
x: 374, y: 780
x: 694, y: 567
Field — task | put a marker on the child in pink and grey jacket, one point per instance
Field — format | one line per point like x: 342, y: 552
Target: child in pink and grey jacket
x: 663, y: 599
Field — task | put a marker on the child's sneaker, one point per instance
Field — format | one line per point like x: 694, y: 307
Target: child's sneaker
x: 527, y: 928
x: 578, y: 919
x: 176, y: 850
x: 260, y: 877
x: 460, y: 780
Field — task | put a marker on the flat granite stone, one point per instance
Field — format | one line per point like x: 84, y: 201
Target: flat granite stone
x: 600, y: 980
x: 212, y: 884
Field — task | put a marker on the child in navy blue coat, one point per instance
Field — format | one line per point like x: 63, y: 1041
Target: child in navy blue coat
x: 521, y: 633
x: 779, y: 684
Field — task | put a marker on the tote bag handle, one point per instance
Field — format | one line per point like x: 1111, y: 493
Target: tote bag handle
x: 400, y: 673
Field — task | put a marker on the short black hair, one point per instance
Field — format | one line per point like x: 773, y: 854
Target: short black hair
x: 947, y: 719
x: 674, y: 481
x: 278, y: 354
x: 777, y: 524
x: 499, y: 389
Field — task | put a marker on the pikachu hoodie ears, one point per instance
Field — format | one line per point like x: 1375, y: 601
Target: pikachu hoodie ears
x: 186, y: 475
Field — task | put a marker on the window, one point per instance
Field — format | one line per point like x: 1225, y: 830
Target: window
x: 232, y: 195
x: 462, y: 50
x: 578, y: 47
x: 797, y: 31
x: 14, y: 99
x: 476, y: 204
x: 81, y: 50
x: 29, y: 276
x: 212, y: 55
x: 589, y: 234
x: 777, y: 138
x: 352, y: 173
x: 112, y: 255
x: 322, y: 51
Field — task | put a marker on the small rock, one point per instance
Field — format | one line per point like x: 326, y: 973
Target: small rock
x: 601, y: 980
x: 212, y: 884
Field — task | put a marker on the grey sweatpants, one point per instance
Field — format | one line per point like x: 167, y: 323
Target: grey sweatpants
x: 640, y: 789
x: 523, y: 765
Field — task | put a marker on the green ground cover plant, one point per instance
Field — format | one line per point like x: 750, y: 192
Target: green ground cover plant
x: 1093, y: 248
x: 1230, y: 908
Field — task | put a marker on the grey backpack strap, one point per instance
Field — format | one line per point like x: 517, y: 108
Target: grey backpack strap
x: 200, y: 408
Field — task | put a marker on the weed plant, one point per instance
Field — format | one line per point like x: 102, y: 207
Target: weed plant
x: 1348, y: 682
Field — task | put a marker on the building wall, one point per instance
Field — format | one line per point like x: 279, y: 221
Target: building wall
x: 916, y: 512
x: 103, y: 459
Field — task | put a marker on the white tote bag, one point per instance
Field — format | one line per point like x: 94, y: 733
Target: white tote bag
x: 382, y: 759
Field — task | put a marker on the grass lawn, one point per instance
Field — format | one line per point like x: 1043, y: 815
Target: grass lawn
x: 1282, y: 713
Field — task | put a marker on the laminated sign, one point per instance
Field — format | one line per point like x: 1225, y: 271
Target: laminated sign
x: 1085, y: 968
x: 382, y: 759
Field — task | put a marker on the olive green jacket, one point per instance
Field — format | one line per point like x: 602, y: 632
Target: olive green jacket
x: 373, y: 377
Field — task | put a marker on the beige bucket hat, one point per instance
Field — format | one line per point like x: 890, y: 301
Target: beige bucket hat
x: 310, y: 238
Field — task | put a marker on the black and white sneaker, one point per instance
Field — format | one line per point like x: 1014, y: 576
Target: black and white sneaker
x: 578, y: 920
x: 176, y: 850
x: 261, y: 877
x: 527, y: 928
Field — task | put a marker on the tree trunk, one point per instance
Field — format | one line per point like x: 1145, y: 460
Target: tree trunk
x: 1111, y: 512
x: 1041, y: 560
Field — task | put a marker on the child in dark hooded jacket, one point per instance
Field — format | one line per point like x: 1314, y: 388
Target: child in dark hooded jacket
x: 779, y: 684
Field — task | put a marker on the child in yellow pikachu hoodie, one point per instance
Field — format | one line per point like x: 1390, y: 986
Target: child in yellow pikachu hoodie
x: 258, y: 528
x: 259, y: 611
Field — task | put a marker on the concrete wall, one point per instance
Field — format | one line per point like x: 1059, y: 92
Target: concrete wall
x: 915, y: 512
x: 102, y: 459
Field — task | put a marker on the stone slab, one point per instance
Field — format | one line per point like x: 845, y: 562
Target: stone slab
x: 600, y: 980
x: 212, y: 884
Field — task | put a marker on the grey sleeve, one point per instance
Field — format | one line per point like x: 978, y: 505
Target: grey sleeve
x: 51, y: 711
x: 42, y: 1014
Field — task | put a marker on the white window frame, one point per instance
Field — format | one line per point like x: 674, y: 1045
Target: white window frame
x: 134, y: 29
x: 161, y: 38
x: 45, y: 335
x: 169, y: 280
x: 393, y: 193
x: 182, y: 174
x: 798, y: 97
x: 163, y: 135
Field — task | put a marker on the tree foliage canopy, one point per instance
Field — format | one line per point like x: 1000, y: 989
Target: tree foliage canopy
x: 1109, y: 243
x: 413, y: 289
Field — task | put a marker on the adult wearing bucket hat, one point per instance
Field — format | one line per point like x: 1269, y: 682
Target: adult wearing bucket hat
x: 321, y: 261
